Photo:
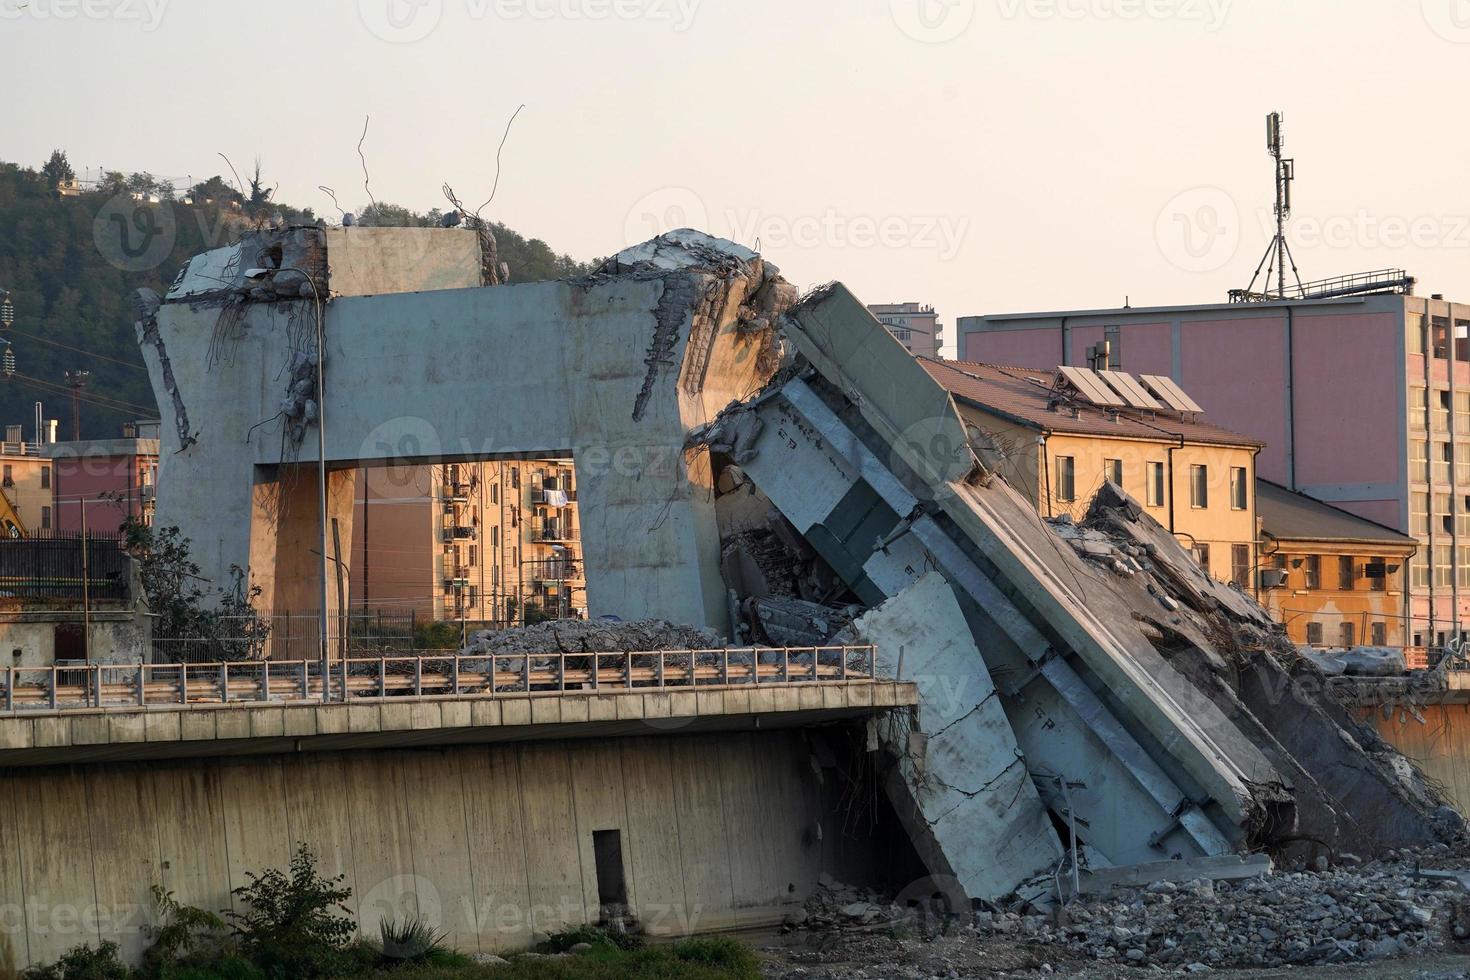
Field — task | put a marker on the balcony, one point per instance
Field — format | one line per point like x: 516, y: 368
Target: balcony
x: 542, y: 495
x: 457, y: 493
x: 555, y: 532
x: 554, y: 570
x: 459, y: 532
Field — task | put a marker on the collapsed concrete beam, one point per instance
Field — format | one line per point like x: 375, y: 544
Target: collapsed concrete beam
x: 962, y: 788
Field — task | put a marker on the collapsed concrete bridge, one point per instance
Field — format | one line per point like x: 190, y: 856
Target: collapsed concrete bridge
x: 788, y: 475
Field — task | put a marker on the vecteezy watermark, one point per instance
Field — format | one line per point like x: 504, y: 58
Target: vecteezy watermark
x: 134, y: 235
x: 1211, y: 14
x: 932, y: 21
x: 147, y: 13
x: 408, y: 21
x: 1199, y: 230
x: 1450, y: 19
x: 1362, y: 229
x: 670, y: 208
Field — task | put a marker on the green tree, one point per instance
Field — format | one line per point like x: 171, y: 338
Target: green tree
x: 57, y: 170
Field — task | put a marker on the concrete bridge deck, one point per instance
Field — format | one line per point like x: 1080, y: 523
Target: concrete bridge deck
x: 158, y: 712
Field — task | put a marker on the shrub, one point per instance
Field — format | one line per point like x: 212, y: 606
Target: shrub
x: 294, y: 925
x: 561, y: 942
x: 84, y: 963
x: 411, y: 941
x: 181, y: 933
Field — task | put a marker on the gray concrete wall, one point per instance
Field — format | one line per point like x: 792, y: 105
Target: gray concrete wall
x: 491, y: 843
x: 29, y: 639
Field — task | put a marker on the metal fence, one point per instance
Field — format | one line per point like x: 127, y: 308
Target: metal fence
x: 125, y: 686
x: 51, y: 568
x: 286, y: 637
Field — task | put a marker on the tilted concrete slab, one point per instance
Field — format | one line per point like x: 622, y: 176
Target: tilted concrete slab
x: 963, y: 789
x: 869, y: 460
x: 123, y: 735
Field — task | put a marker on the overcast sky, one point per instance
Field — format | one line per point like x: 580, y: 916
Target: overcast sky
x: 980, y: 155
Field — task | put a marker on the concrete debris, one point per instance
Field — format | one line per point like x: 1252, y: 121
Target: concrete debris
x: 593, y: 636
x: 1345, y: 915
x: 784, y: 622
x: 1357, y: 662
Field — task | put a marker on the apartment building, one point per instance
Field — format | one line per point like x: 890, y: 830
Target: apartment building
x: 1058, y: 445
x: 1332, y: 578
x: 113, y: 480
x: 493, y: 542
x: 914, y: 325
x: 26, y: 476
x: 1363, y: 402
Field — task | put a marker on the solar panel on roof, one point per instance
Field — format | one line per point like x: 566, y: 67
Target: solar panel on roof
x: 1171, y: 393
x: 1130, y: 389
x: 1190, y: 405
x: 1092, y: 387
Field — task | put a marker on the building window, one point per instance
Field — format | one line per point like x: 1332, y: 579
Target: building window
x: 1238, y: 495
x: 1419, y: 514
x: 1066, y: 479
x: 1378, y: 574
x: 9, y: 475
x: 1113, y: 470
x: 1346, y: 636
x: 1346, y: 574
x: 1155, y: 484
x: 1240, y: 565
x: 1199, y: 486
x: 45, y: 477
x: 472, y: 556
x: 1314, y: 634
x: 1202, y: 555
x: 45, y: 518
x: 1312, y: 568
x: 1418, y: 408
x: 1380, y: 634
x: 1415, y: 330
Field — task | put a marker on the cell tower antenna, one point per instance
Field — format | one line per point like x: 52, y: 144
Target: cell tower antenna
x: 1278, y: 253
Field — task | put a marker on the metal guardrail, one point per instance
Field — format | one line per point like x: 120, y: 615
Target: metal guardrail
x: 451, y: 675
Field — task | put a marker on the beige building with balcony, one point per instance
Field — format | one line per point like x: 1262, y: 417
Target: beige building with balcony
x: 1058, y: 448
x: 27, y: 505
x: 494, y: 542
x: 914, y: 325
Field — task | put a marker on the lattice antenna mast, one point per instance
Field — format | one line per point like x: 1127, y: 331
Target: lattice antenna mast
x: 1278, y: 253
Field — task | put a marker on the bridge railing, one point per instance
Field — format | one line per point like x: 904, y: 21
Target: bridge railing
x: 431, y: 675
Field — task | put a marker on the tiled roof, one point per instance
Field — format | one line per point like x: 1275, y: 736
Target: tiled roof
x: 1024, y: 394
x: 1292, y: 516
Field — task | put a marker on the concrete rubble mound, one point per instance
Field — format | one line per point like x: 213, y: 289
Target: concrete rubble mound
x: 1352, y: 912
x: 594, y: 636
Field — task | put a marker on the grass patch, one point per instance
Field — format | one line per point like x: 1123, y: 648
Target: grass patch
x: 692, y: 959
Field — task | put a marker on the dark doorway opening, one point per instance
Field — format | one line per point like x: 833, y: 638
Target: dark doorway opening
x: 612, y: 885
x: 71, y: 642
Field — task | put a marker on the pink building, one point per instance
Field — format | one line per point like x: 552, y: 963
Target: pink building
x: 1363, y: 402
x: 113, y: 479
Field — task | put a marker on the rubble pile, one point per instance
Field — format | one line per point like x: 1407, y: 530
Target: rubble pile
x: 1354, y: 912
x: 593, y: 636
x: 1346, y: 915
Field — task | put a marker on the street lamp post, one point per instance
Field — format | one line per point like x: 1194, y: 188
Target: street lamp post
x: 321, y: 468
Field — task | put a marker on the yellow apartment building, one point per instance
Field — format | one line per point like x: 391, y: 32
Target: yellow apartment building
x: 27, y: 507
x: 1058, y: 446
x: 1333, y: 578
x: 494, y: 542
